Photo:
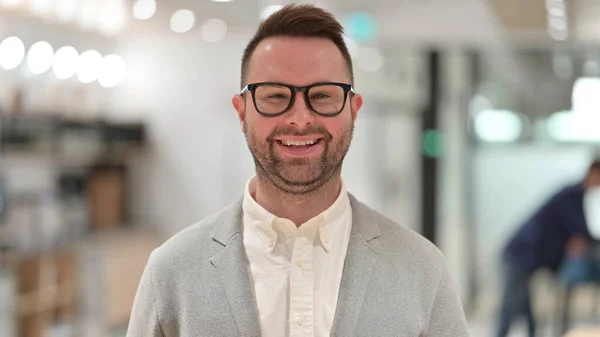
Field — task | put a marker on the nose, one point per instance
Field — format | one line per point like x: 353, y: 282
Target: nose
x: 300, y: 114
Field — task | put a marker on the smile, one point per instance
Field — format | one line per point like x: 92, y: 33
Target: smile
x: 291, y: 143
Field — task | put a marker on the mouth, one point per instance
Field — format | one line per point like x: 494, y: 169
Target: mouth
x: 300, y: 148
x: 299, y: 143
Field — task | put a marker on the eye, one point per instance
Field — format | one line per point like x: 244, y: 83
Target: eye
x: 320, y: 95
x: 277, y: 96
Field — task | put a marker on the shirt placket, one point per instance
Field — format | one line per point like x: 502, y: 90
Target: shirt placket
x: 301, y: 289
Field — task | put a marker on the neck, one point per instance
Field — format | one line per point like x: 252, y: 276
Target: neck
x: 299, y: 208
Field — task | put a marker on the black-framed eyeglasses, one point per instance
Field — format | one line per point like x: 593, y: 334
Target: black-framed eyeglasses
x: 272, y: 99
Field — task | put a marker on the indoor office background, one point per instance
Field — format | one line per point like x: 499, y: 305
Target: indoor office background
x: 117, y: 131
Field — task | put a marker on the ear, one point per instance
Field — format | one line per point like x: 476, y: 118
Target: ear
x: 357, y: 102
x: 239, y: 103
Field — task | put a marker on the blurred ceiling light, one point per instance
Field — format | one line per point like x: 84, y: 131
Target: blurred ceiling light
x: 591, y: 68
x: 370, y: 59
x: 556, y: 7
x: 268, y: 10
x: 214, y: 30
x: 498, y: 126
x: 10, y: 3
x: 112, y: 71
x: 558, y: 23
x: 66, y: 10
x: 558, y: 35
x: 90, y: 63
x: 87, y: 16
x: 586, y: 97
x: 568, y: 126
x: 182, y: 21
x: 222, y: 0
x: 12, y: 52
x: 65, y: 62
x: 41, y: 7
x: 112, y: 17
x: 39, y: 57
x: 144, y: 9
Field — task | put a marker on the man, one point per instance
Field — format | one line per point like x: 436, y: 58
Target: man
x: 297, y: 255
x: 555, y: 233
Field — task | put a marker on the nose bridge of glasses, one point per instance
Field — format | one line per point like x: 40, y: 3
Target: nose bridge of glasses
x: 303, y: 93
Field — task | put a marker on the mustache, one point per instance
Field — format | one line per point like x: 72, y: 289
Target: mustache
x: 289, y: 130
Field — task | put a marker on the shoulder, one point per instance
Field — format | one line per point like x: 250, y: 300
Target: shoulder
x: 404, y: 244
x: 195, y: 242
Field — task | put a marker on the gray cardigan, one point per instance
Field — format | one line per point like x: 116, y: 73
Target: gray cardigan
x: 394, y: 283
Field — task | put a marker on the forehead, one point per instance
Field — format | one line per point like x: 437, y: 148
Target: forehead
x: 297, y: 61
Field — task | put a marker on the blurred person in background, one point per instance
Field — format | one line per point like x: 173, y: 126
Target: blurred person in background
x: 297, y: 254
x: 555, y: 237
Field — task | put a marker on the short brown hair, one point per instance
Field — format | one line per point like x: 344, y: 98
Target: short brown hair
x: 298, y: 21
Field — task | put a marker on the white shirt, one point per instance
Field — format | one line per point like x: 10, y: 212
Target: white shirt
x: 296, y: 272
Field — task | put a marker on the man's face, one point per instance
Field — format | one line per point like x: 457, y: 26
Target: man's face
x: 594, y: 179
x: 300, y: 62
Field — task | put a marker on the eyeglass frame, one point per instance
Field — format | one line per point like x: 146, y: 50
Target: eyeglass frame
x: 251, y: 87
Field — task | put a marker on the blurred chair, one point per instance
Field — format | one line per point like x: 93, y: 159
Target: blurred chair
x: 576, y: 273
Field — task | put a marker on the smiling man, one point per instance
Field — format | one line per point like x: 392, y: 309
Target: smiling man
x: 297, y: 255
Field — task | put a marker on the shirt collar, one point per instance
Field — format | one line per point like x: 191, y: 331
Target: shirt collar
x: 271, y: 228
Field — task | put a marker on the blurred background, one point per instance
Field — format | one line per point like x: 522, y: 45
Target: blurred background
x: 117, y: 131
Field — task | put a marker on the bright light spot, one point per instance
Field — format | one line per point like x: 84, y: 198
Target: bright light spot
x: 90, y: 63
x: 66, y: 10
x: 112, y: 17
x: 12, y: 52
x: 221, y: 0
x: 558, y: 23
x: 10, y: 3
x: 214, y: 30
x: 268, y: 10
x: 586, y: 97
x: 87, y: 16
x: 40, y: 7
x: 556, y: 7
x: 353, y: 47
x: 39, y: 57
x: 360, y: 26
x: 182, y: 21
x: 144, y: 9
x: 498, y: 126
x: 370, y: 59
x: 568, y: 126
x: 112, y: 71
x: 558, y: 35
x: 65, y: 62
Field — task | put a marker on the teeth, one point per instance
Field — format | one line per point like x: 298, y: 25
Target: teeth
x: 298, y: 143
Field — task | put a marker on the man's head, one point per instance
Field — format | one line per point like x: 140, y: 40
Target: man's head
x: 593, y: 177
x: 297, y: 108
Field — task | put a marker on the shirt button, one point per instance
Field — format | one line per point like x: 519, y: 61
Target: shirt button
x: 300, y: 321
x: 299, y: 263
x: 326, y: 240
x: 270, y: 244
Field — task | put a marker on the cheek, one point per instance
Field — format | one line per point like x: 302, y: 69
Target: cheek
x: 338, y: 125
x: 261, y: 128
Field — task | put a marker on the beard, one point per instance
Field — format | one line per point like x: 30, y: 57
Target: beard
x: 298, y: 175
